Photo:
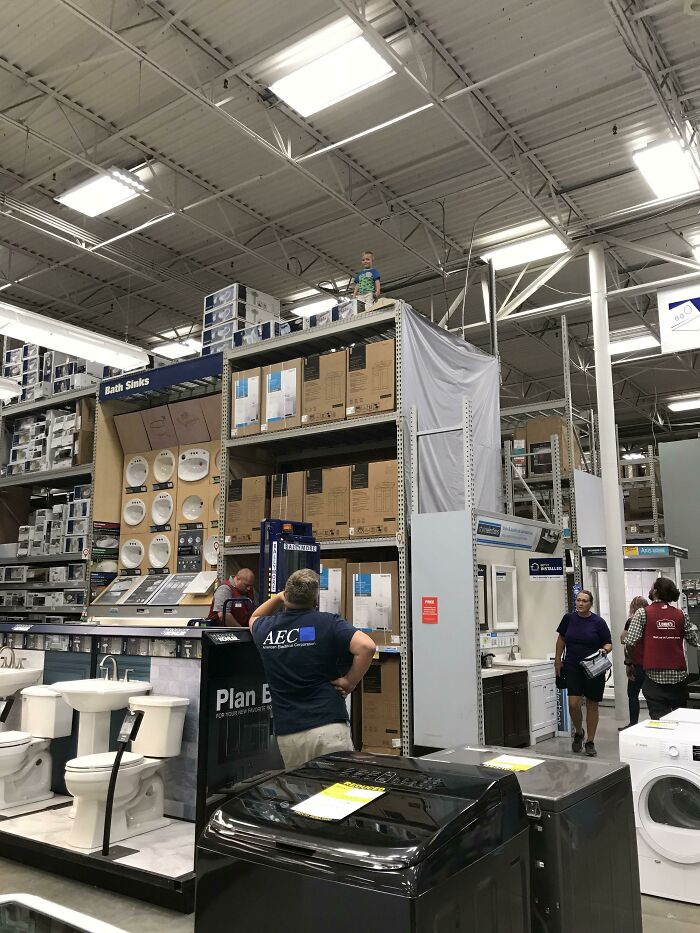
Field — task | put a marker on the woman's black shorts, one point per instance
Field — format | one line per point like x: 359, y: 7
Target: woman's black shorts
x: 578, y: 685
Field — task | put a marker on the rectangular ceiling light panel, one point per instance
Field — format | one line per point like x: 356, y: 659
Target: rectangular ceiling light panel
x: 632, y: 344
x: 102, y: 193
x: 178, y: 350
x: 332, y: 77
x: 29, y: 327
x: 524, y: 251
x: 667, y: 169
x: 685, y: 404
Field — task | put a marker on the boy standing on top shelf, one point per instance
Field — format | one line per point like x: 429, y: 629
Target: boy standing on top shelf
x: 367, y: 281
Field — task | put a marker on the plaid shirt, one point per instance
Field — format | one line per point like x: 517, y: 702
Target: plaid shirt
x: 635, y: 633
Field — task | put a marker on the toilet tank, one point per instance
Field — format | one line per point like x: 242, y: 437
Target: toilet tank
x: 45, y: 714
x: 160, y: 732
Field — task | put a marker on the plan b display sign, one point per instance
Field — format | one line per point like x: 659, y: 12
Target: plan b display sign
x: 679, y: 317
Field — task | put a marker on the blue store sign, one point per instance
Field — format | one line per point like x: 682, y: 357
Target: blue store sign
x: 546, y: 568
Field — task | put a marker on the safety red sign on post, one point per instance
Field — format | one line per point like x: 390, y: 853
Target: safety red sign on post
x: 430, y: 610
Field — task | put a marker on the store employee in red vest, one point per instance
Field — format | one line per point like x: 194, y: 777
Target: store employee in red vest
x: 662, y: 629
x: 238, y: 596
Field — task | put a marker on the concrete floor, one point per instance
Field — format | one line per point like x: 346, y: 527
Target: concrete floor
x: 136, y: 917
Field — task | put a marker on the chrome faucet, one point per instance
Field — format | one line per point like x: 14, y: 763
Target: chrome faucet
x: 115, y: 673
x: 511, y: 653
x: 13, y: 660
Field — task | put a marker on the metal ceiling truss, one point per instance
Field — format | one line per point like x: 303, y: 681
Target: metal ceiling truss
x: 175, y: 167
x: 366, y: 181
x: 45, y: 264
x: 271, y: 148
x: 389, y: 53
x: 643, y: 44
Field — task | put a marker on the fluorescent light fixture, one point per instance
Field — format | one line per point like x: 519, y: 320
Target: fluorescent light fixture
x: 685, y: 404
x: 330, y: 78
x: 515, y: 233
x: 633, y: 455
x: 632, y: 344
x: 305, y: 293
x: 524, y: 251
x: 9, y: 389
x: 667, y: 169
x: 103, y: 192
x: 178, y: 350
x: 696, y: 253
x: 316, y: 307
x: 29, y: 327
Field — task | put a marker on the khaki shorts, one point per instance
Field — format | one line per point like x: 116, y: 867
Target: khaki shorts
x: 299, y: 747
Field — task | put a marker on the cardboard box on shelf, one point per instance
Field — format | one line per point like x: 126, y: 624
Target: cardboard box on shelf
x: 324, y: 387
x: 246, y: 394
x: 372, y: 600
x: 332, y: 594
x: 373, y: 499
x: 381, y: 705
x: 247, y: 505
x: 520, y: 451
x: 159, y: 426
x: 539, y: 444
x: 287, y: 496
x: 327, y: 501
x: 281, y: 396
x: 189, y: 422
x: 371, y: 378
x: 211, y: 408
x: 132, y: 432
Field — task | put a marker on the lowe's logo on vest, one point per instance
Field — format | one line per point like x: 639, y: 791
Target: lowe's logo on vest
x: 291, y: 638
x: 232, y: 702
x: 665, y: 623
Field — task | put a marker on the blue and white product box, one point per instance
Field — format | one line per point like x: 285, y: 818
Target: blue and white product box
x: 331, y: 316
x: 217, y: 347
x: 77, y: 526
x: 293, y: 326
x: 221, y: 333
x: 12, y: 371
x: 29, y: 350
x: 13, y: 356
x: 32, y: 365
x: 255, y: 333
x: 235, y: 293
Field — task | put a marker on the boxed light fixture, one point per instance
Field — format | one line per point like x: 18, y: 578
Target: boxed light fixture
x: 179, y: 349
x: 34, y: 328
x: 103, y: 192
x: 667, y: 169
x: 330, y: 78
x: 632, y: 340
x: 690, y: 403
x: 524, y: 251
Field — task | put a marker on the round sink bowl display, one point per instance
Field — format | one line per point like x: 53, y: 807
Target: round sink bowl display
x: 162, y: 508
x: 132, y: 553
x: 193, y: 465
x: 159, y: 552
x: 134, y: 512
x: 192, y: 508
x: 163, y: 466
x: 99, y: 696
x: 136, y: 471
x: 211, y: 549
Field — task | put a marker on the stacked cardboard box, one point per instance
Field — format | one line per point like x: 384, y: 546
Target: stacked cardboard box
x: 381, y: 706
x: 371, y: 378
x: 372, y: 600
x: 247, y: 505
x: 52, y: 440
x: 373, y: 499
x: 232, y: 309
x: 281, y: 396
x: 324, y: 387
x: 333, y: 577
x: 539, y: 446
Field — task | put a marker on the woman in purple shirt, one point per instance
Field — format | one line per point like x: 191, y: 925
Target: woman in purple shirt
x: 580, y: 634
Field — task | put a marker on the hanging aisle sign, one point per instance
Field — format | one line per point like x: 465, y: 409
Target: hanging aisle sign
x: 148, y: 380
x: 543, y: 569
x: 507, y: 531
x: 679, y: 317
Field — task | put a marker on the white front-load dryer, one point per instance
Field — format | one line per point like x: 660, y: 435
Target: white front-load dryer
x: 664, y: 760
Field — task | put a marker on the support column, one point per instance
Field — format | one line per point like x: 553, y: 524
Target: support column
x: 614, y: 539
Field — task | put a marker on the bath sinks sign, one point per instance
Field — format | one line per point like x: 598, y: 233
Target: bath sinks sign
x: 679, y: 317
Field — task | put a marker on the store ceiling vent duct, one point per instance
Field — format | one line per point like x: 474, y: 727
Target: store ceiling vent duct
x: 103, y: 192
x: 28, y: 327
x: 525, y: 251
x: 667, y: 169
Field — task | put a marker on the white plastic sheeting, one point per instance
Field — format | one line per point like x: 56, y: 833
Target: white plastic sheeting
x: 439, y: 370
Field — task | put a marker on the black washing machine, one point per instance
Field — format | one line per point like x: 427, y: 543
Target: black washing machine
x: 442, y: 849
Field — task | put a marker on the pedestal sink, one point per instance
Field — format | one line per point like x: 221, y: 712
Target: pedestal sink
x: 13, y: 680
x: 95, y: 700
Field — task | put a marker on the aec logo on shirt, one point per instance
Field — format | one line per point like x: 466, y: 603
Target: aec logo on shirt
x: 290, y: 637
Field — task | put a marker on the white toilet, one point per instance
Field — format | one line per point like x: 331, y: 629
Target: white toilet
x: 25, y: 761
x: 139, y: 793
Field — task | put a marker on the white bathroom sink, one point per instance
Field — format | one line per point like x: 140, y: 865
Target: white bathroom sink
x: 12, y: 680
x: 99, y: 696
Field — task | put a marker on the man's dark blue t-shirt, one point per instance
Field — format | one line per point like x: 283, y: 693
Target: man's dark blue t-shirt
x: 583, y: 636
x: 302, y: 651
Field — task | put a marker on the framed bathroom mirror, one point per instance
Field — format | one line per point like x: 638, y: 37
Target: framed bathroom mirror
x: 504, y: 597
